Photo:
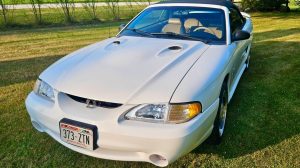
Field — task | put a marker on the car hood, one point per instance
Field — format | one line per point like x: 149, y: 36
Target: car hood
x: 130, y: 70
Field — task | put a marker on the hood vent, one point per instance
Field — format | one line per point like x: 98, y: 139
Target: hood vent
x: 95, y: 102
x: 175, y: 48
x: 117, y: 42
x: 169, y: 51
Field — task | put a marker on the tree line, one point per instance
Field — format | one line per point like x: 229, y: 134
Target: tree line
x: 267, y: 5
x: 68, y: 8
x: 112, y: 6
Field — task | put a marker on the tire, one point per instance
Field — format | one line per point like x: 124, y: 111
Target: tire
x: 220, y: 120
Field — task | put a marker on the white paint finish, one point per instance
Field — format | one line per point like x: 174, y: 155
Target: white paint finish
x: 249, y: 26
x: 246, y: 15
x: 122, y: 139
x: 203, y: 81
x: 136, y: 71
x: 236, y: 81
x: 240, y: 56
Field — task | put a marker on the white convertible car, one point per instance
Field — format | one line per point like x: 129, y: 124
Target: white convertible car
x: 152, y: 93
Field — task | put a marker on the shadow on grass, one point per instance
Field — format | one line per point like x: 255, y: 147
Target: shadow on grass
x: 58, y: 27
x: 265, y: 108
x: 269, y: 35
x: 23, y: 70
x: 294, y: 14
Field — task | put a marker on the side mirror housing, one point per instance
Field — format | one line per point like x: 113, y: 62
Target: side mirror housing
x: 240, y: 35
x: 121, y: 26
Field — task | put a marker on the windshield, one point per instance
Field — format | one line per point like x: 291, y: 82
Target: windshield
x: 190, y: 23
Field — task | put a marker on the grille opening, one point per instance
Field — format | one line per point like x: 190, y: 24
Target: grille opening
x: 97, y: 103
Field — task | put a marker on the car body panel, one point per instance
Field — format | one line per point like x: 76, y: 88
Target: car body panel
x: 120, y: 139
x: 117, y: 73
x: 207, y: 80
x: 136, y: 70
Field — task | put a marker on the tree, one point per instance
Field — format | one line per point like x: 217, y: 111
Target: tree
x: 113, y: 5
x: 265, y: 5
x: 91, y: 7
x: 129, y: 4
x: 149, y: 2
x: 8, y: 12
x: 68, y: 8
x: 36, y: 9
x: 3, y: 11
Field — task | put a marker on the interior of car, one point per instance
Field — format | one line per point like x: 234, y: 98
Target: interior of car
x: 190, y: 26
x: 202, y: 23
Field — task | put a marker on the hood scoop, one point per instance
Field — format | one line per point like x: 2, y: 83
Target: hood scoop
x: 117, y: 42
x: 175, y: 48
x: 114, y: 44
x: 170, y: 50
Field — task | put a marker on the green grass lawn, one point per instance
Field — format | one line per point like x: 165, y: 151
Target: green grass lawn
x: 263, y: 127
x: 76, y: 1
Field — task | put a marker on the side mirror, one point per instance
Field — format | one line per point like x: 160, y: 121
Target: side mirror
x: 121, y: 26
x: 240, y: 35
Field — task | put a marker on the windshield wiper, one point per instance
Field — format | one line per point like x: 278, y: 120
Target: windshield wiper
x: 141, y: 32
x: 182, y: 36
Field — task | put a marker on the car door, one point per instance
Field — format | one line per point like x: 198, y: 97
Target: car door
x: 236, y: 23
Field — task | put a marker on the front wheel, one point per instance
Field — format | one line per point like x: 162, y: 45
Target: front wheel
x: 220, y: 120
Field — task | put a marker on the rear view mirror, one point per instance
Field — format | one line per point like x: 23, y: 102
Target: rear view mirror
x: 240, y: 35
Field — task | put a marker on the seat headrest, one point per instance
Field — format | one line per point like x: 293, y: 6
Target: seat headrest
x: 191, y: 22
x: 174, y: 21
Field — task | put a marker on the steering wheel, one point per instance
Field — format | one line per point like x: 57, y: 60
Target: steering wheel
x: 204, y: 28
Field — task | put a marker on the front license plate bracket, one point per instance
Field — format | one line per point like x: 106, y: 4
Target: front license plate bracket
x: 93, y: 128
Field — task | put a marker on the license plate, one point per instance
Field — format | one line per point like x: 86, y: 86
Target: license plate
x: 78, y: 134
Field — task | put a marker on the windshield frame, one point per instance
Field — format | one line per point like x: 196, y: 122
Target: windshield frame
x: 225, y: 10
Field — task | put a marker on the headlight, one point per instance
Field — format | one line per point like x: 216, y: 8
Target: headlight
x: 43, y: 89
x: 165, y: 113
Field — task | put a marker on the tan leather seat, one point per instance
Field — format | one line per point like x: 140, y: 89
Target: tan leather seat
x: 189, y: 23
x: 217, y: 32
x: 173, y: 26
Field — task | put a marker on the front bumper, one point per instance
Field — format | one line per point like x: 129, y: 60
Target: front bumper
x: 159, y: 144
